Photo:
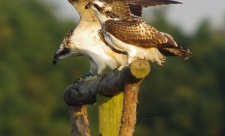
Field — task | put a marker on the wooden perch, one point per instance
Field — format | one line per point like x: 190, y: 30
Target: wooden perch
x: 111, y: 84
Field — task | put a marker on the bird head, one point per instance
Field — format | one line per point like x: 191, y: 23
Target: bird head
x: 106, y: 11
x: 66, y: 49
x: 97, y: 6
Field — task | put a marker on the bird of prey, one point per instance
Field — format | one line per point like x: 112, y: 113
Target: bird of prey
x: 134, y: 37
x: 84, y: 41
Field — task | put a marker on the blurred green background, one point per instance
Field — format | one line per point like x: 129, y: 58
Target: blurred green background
x: 181, y: 98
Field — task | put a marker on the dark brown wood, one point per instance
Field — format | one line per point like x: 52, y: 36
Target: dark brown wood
x: 109, y: 85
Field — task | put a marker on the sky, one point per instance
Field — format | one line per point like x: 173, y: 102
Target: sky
x: 187, y: 15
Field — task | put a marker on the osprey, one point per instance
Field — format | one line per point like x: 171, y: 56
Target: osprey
x: 134, y: 37
x: 84, y: 41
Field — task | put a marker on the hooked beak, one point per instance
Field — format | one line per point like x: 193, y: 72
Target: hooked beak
x: 55, y: 60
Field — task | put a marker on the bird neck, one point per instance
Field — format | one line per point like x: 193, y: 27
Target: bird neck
x: 102, y: 18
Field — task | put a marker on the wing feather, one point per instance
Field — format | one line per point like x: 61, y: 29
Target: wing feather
x: 135, y: 9
x: 147, y: 3
x: 136, y: 32
x: 87, y: 16
x: 124, y: 8
x: 119, y: 7
x: 139, y: 33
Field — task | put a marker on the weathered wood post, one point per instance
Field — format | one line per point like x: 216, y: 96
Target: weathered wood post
x: 110, y: 113
x: 110, y: 87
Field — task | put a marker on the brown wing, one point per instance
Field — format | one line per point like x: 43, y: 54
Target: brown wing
x: 136, y: 6
x: 147, y: 3
x: 87, y: 16
x: 124, y: 8
x: 136, y: 32
x: 119, y: 7
x: 135, y: 9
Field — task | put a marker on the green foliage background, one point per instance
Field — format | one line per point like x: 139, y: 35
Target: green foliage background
x: 182, y: 98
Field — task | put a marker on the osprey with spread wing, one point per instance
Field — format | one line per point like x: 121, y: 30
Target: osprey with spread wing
x: 85, y: 41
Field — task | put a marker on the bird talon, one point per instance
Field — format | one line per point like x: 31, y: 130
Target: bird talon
x: 89, y: 78
x: 78, y: 81
x: 120, y: 68
x: 115, y: 70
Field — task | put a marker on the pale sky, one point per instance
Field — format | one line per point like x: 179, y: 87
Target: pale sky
x: 187, y: 15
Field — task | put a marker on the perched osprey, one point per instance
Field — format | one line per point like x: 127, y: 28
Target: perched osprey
x: 134, y: 37
x: 84, y: 41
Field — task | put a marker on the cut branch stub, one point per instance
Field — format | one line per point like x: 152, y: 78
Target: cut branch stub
x: 140, y: 69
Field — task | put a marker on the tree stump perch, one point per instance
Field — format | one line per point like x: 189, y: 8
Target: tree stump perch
x: 127, y: 80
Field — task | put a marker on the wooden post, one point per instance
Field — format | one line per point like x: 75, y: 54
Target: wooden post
x: 139, y: 69
x: 127, y: 81
x: 110, y: 113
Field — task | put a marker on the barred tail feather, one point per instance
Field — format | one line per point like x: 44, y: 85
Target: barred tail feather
x: 175, y: 51
x: 171, y: 48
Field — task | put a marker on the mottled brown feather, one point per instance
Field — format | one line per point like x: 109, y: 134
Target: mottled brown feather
x: 139, y: 33
x: 124, y: 8
x: 101, y: 36
x: 119, y: 7
x: 135, y: 32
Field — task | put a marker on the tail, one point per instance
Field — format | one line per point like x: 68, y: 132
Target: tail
x: 171, y: 48
x: 175, y: 51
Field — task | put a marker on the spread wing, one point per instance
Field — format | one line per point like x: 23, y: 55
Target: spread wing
x: 86, y: 16
x: 119, y: 7
x: 149, y: 3
x: 136, y: 32
x: 124, y: 8
x: 136, y: 6
x: 135, y: 9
